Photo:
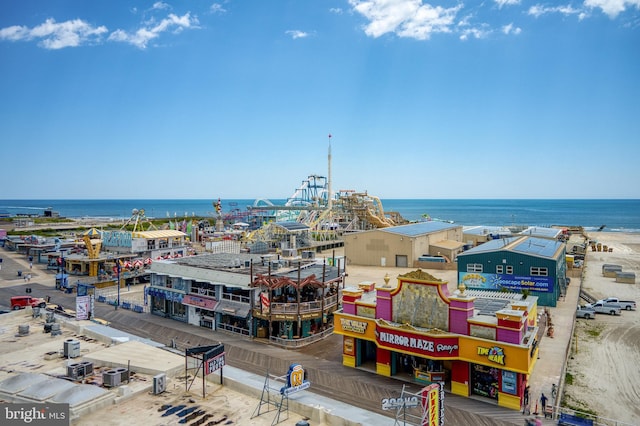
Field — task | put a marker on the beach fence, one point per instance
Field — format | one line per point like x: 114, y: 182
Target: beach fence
x: 129, y: 299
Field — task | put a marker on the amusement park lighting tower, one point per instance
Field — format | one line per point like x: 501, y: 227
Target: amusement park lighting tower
x: 329, y: 198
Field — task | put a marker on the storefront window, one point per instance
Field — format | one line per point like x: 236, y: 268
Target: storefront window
x: 484, y: 381
x: 179, y: 310
x: 158, y: 280
x: 157, y: 305
x: 176, y: 283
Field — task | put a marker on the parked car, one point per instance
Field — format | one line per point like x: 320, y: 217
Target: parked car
x: 21, y: 302
x: 585, y: 312
x: 606, y: 308
x: 629, y: 305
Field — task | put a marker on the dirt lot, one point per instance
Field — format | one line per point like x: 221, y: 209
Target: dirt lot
x: 603, y: 372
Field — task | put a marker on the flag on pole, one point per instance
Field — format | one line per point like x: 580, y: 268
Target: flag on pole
x: 264, y: 302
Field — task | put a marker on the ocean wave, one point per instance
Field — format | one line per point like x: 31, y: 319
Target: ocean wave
x: 625, y: 230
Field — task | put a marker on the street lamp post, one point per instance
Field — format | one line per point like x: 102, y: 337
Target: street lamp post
x: 63, y: 279
x: 118, y: 277
x: 62, y: 261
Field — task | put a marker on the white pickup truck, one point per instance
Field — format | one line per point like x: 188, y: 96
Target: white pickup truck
x: 629, y: 305
x: 584, y: 312
x: 605, y: 308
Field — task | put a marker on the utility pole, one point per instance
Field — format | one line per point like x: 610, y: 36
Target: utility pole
x: 329, y: 199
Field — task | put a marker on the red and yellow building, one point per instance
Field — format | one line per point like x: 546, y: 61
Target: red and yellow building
x: 417, y: 330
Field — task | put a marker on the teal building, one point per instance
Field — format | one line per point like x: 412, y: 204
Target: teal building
x: 521, y: 264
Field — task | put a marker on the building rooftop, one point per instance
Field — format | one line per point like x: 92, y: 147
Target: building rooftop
x: 235, y: 269
x: 542, y: 247
x: 541, y: 231
x: 420, y: 228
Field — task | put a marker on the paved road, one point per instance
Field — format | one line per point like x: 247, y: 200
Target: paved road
x: 322, y: 360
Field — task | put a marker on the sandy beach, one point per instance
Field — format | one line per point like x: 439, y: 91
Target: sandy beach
x: 603, y: 370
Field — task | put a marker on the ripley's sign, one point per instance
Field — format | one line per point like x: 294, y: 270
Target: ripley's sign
x: 419, y: 344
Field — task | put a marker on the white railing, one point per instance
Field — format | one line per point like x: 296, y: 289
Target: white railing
x: 236, y: 298
x: 303, y: 307
x: 304, y: 341
x: 133, y: 301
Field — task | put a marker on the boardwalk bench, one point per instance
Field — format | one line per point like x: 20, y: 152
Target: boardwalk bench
x: 571, y: 420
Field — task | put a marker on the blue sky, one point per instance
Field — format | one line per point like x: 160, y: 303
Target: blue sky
x: 236, y: 99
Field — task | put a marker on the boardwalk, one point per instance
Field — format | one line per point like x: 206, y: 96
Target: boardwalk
x: 322, y: 361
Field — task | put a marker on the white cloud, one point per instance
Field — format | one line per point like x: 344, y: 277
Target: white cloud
x: 159, y: 5
x: 612, y: 8
x: 406, y: 18
x: 539, y: 10
x: 336, y: 10
x: 217, y: 8
x: 474, y: 32
x: 14, y: 33
x: 55, y: 35
x: 468, y: 30
x: 144, y: 35
x: 297, y: 34
x: 501, y: 3
x: 510, y: 29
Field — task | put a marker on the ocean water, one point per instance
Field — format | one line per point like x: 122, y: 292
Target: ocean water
x: 616, y: 215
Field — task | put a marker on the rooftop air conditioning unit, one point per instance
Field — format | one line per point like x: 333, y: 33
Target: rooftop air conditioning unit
x: 71, y: 348
x: 88, y: 368
x: 111, y: 378
x: 124, y: 374
x: 75, y: 371
x: 159, y: 383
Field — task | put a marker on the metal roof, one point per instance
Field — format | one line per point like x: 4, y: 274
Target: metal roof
x: 539, y: 231
x: 292, y: 226
x: 486, y: 230
x: 166, y: 233
x: 234, y: 270
x: 490, y: 306
x: 533, y: 246
x: 330, y: 273
x: 419, y: 228
x: 538, y: 247
x: 492, y: 245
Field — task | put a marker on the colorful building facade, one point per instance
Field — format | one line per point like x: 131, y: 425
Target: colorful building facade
x: 420, y: 332
x: 518, y: 264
